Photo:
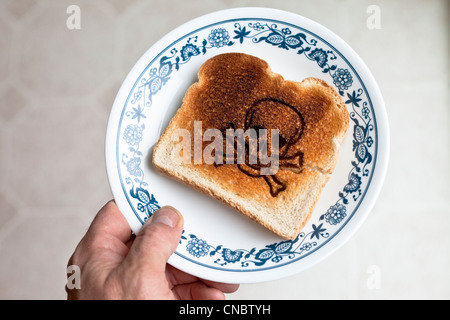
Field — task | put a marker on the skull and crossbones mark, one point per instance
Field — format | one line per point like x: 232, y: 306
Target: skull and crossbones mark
x: 270, y: 113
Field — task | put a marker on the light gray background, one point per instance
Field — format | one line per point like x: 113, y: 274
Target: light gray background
x: 58, y: 85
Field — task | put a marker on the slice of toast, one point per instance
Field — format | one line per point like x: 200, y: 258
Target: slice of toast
x: 240, y: 91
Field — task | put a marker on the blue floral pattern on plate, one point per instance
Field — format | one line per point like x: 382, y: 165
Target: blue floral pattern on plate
x: 258, y: 32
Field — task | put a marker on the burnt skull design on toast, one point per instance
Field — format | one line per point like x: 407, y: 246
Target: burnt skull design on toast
x: 269, y: 114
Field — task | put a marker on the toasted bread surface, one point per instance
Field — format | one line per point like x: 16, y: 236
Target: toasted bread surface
x: 241, y: 91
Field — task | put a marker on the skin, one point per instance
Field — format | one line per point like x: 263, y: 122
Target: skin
x: 115, y: 264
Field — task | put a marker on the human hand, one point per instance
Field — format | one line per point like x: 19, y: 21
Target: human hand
x: 116, y: 265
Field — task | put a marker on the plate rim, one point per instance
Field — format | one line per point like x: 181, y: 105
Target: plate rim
x: 379, y: 168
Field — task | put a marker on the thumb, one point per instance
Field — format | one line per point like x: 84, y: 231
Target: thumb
x: 157, y: 240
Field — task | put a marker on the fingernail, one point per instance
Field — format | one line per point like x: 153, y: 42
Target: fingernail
x: 167, y: 215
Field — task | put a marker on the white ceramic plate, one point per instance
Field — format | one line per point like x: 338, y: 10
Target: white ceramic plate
x: 218, y: 243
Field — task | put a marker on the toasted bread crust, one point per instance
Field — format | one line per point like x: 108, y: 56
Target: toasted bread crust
x: 229, y: 87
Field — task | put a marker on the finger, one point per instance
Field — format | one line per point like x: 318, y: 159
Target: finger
x: 108, y: 232
x: 111, y: 222
x: 178, y: 277
x: 198, y: 291
x: 224, y: 287
x: 157, y: 240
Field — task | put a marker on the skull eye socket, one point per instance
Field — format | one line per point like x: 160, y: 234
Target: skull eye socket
x: 257, y: 127
x: 281, y: 141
